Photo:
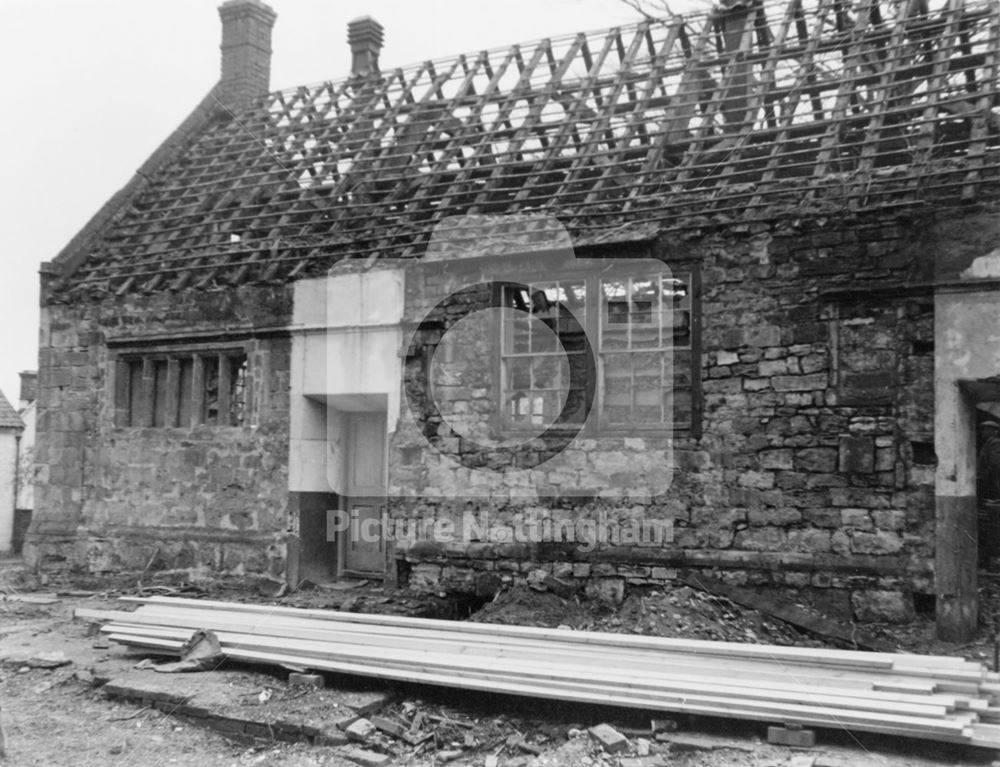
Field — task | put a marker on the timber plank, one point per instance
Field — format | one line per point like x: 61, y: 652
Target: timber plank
x: 935, y: 697
x: 954, y: 668
x: 597, y: 638
x: 234, y: 646
x: 551, y: 668
x: 457, y: 643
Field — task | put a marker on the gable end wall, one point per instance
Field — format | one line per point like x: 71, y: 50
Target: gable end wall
x: 112, y: 498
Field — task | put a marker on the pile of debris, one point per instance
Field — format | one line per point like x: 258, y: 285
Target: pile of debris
x: 412, y: 728
x: 682, y: 612
x: 407, y: 731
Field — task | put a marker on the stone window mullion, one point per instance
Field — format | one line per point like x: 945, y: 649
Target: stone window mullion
x: 166, y: 388
x: 198, y: 391
x: 121, y: 393
x: 173, y: 392
x: 145, y: 412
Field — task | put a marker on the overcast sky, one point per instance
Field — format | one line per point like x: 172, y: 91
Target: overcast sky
x: 92, y: 88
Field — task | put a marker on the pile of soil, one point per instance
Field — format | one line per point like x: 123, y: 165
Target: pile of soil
x: 525, y: 607
x: 685, y: 612
x: 681, y: 612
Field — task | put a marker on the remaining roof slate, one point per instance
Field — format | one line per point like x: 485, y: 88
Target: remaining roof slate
x: 788, y: 109
x: 9, y: 419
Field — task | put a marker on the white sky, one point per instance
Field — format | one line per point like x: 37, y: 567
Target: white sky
x: 91, y: 88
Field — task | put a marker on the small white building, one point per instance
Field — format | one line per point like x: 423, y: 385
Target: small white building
x: 11, y: 431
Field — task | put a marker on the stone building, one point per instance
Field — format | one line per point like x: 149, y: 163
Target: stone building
x: 736, y: 275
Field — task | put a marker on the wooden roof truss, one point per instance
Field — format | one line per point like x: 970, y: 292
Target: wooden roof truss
x: 760, y: 111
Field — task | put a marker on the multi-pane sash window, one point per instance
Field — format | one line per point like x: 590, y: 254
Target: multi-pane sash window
x: 545, y: 358
x: 642, y: 321
x: 636, y: 330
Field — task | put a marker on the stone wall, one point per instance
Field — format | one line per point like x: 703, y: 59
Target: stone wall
x: 810, y: 471
x: 112, y: 497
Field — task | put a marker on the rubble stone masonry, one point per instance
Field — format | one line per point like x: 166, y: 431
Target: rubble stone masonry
x: 810, y: 473
x: 112, y: 497
x: 809, y: 469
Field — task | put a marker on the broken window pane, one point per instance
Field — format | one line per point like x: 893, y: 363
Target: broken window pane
x: 210, y: 373
x: 543, y: 340
x: 160, y: 389
x: 238, y: 386
x: 643, y: 322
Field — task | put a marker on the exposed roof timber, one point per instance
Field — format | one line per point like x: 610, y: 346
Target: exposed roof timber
x: 779, y: 109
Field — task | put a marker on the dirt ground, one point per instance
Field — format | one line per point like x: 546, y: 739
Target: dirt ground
x: 62, y: 715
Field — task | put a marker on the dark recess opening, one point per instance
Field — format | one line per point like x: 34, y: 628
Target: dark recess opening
x: 923, y: 453
x: 925, y: 604
x: 464, y: 605
x: 403, y: 569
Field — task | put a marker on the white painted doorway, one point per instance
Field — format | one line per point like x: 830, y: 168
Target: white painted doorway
x: 364, y: 546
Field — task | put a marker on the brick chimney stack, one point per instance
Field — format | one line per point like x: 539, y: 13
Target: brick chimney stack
x: 29, y: 387
x: 365, y: 36
x: 732, y: 15
x: 246, y: 51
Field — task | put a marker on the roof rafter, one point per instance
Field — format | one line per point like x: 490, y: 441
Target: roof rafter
x: 755, y: 111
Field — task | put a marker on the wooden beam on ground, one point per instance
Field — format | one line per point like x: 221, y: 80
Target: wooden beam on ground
x: 932, y: 697
x: 785, y: 654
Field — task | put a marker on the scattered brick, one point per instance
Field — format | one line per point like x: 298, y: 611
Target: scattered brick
x: 663, y: 725
x: 395, y: 729
x: 344, y: 722
x: 367, y: 758
x: 365, y: 702
x: 360, y: 731
x: 516, y: 741
x: 306, y: 680
x: 331, y: 737
x: 791, y: 736
x: 703, y: 743
x: 610, y: 739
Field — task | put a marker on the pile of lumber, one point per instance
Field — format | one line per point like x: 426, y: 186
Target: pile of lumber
x: 932, y: 697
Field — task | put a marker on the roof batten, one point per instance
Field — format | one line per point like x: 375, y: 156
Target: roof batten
x: 802, y: 107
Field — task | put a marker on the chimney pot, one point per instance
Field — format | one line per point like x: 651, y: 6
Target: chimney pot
x: 365, y: 36
x: 246, y: 51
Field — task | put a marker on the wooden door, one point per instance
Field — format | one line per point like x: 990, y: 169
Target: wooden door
x: 364, y: 545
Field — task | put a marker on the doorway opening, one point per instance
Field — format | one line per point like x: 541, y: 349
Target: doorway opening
x: 988, y: 484
x: 338, y: 472
x: 362, y: 545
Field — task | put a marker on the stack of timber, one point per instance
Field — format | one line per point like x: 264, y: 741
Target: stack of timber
x: 932, y: 697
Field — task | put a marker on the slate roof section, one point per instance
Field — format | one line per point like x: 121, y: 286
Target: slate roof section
x: 9, y: 419
x: 782, y: 109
